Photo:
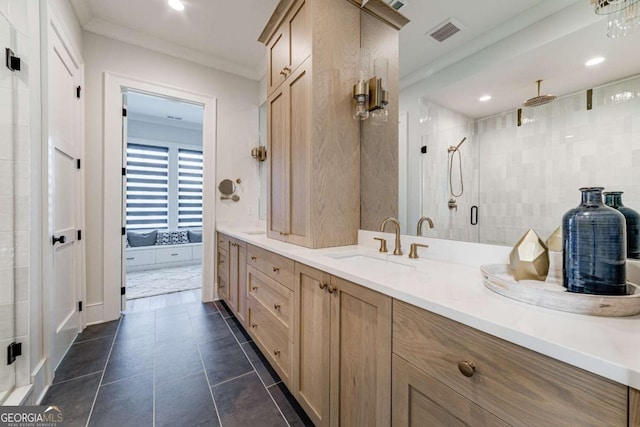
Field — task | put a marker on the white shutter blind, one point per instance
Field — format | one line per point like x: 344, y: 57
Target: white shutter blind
x: 189, y: 188
x: 147, y: 187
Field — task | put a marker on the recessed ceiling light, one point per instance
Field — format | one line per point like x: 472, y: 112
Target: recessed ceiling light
x: 176, y: 4
x: 594, y: 61
x: 485, y: 98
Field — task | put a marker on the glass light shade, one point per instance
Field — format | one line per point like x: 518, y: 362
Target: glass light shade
x: 624, y: 21
x: 606, y: 7
x: 361, y: 109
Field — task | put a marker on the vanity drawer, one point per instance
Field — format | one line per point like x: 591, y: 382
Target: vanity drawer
x: 143, y: 257
x: 273, y: 265
x: 517, y: 385
x: 271, y: 338
x: 274, y: 297
x: 223, y: 242
x: 174, y: 254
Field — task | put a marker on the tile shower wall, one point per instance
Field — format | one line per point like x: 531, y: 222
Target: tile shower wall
x: 530, y: 175
x: 14, y: 193
x: 441, y: 128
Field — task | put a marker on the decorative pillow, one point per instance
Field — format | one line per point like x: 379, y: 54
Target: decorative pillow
x: 142, y: 238
x: 179, y: 237
x: 126, y: 242
x: 164, y: 238
x: 195, y: 236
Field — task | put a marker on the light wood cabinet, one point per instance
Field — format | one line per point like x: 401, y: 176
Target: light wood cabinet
x: 634, y: 407
x: 223, y: 266
x: 313, y: 142
x: 343, y: 352
x: 237, y: 289
x: 519, y: 386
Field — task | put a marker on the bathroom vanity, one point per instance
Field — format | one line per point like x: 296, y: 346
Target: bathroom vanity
x: 423, y: 341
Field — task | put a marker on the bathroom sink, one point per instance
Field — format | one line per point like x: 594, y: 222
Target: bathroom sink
x: 371, y: 264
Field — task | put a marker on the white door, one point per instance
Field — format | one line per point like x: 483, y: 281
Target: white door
x: 64, y: 203
x: 123, y: 210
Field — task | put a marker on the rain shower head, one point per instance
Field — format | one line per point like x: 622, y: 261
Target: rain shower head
x: 540, y: 99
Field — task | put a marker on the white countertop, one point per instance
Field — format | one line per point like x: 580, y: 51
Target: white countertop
x: 609, y: 347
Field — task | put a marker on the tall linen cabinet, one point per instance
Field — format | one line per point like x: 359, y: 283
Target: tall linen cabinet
x: 313, y: 141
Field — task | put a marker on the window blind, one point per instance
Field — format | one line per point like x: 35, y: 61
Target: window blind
x: 147, y: 205
x: 189, y: 188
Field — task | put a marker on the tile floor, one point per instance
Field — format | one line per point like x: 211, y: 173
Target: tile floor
x: 147, y: 283
x: 171, y: 361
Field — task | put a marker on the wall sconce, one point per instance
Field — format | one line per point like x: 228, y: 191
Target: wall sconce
x: 369, y: 93
x: 259, y: 153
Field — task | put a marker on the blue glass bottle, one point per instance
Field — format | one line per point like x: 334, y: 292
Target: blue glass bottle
x: 594, y: 247
x: 614, y: 199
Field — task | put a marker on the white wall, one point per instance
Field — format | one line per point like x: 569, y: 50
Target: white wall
x: 160, y: 132
x: 237, y: 124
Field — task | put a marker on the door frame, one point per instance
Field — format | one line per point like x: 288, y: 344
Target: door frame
x: 114, y: 84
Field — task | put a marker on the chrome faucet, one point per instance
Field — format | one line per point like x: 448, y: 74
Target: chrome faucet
x: 398, y: 249
x: 421, y: 221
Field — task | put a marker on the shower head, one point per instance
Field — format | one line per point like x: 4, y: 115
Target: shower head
x: 540, y: 99
x: 452, y: 148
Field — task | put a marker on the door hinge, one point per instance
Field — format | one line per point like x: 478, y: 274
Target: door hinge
x: 13, y: 351
x: 78, y: 90
x: 79, y: 305
x: 423, y: 149
x: 79, y: 235
x: 12, y: 61
x: 124, y: 171
x: 123, y: 290
x: 124, y: 231
x: 78, y: 163
x: 124, y: 112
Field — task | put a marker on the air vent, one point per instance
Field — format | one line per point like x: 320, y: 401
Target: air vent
x: 397, y: 4
x: 174, y: 118
x: 445, y: 30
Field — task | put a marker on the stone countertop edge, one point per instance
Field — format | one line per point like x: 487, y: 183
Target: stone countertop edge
x: 606, y: 346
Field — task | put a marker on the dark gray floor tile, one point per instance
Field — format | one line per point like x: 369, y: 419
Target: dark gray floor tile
x: 292, y: 411
x: 237, y: 330
x: 128, y: 402
x: 101, y: 330
x: 170, y: 309
x: 263, y: 368
x: 245, y: 402
x: 201, y: 309
x: 176, y: 360
x: 130, y: 357
x: 185, y: 402
x: 173, y: 328
x: 224, y: 310
x: 74, y: 398
x: 84, y: 358
x: 135, y: 325
x: 209, y: 328
x: 224, y: 359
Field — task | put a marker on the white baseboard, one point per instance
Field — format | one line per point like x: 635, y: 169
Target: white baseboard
x: 95, y: 313
x: 39, y: 382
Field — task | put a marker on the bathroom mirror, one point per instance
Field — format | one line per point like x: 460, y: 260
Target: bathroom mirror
x: 520, y: 171
x: 227, y: 187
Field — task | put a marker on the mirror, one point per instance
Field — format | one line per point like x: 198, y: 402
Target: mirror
x: 521, y: 171
x: 227, y: 187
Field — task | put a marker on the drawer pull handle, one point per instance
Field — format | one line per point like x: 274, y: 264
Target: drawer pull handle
x: 331, y: 289
x: 253, y: 258
x: 276, y: 270
x: 255, y: 288
x: 322, y: 285
x: 283, y: 73
x: 174, y: 254
x: 220, y: 286
x: 254, y: 325
x: 467, y: 368
x: 276, y: 352
x: 276, y: 306
x: 129, y: 259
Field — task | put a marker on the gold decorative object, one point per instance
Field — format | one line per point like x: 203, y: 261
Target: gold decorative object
x: 529, y: 259
x: 554, y: 241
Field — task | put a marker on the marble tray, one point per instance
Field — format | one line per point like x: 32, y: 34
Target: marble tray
x: 551, y: 294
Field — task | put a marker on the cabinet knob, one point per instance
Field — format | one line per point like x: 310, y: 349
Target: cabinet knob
x: 287, y: 69
x: 331, y: 289
x: 255, y: 288
x: 467, y: 368
x: 322, y: 285
x: 254, y: 325
x: 282, y: 72
x: 276, y: 270
x: 254, y: 258
x: 276, y: 352
x: 220, y: 286
x: 276, y: 306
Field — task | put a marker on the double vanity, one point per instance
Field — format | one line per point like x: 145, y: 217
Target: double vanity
x: 367, y: 338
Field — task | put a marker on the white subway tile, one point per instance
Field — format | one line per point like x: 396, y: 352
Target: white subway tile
x: 7, y: 292
x: 18, y: 15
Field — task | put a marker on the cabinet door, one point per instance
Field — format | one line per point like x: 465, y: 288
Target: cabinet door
x: 223, y: 274
x: 360, y: 355
x: 234, y: 267
x: 299, y: 27
x: 299, y: 98
x: 278, y: 58
x: 634, y: 408
x: 312, y: 343
x: 278, y: 161
x: 242, y: 283
x: 420, y: 400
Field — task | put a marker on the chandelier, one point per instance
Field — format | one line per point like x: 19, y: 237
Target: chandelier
x: 622, y: 16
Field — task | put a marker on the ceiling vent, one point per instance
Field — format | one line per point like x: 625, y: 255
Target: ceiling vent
x: 174, y: 118
x: 445, y: 30
x: 397, y: 4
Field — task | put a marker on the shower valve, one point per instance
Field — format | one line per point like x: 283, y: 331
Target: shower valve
x: 453, y: 205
